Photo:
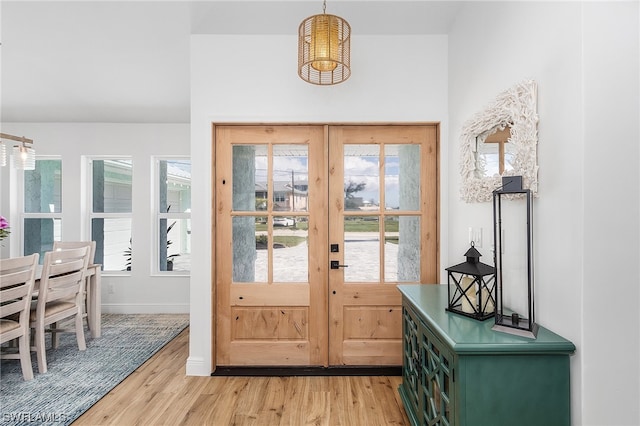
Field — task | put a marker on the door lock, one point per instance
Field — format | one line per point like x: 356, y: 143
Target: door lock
x: 336, y: 265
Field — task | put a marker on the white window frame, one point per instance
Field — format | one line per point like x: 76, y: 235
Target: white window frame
x: 157, y: 215
x: 18, y: 229
x: 89, y: 207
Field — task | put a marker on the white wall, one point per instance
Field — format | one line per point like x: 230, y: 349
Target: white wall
x: 138, y: 292
x: 611, y: 83
x: 584, y: 57
x: 389, y: 83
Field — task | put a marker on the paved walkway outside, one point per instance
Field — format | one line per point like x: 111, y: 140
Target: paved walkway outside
x: 290, y: 264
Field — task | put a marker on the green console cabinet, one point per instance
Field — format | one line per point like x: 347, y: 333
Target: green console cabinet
x: 457, y: 371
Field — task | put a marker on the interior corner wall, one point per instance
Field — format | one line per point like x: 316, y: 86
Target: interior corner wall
x: 584, y: 57
x: 138, y: 291
x: 394, y: 79
x: 611, y: 318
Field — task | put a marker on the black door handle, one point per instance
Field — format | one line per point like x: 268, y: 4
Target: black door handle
x: 336, y: 265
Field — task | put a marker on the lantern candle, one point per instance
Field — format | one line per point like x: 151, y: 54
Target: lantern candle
x: 471, y: 286
x: 469, y: 298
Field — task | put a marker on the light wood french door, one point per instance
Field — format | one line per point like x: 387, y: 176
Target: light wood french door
x: 314, y: 227
x: 386, y: 233
x: 271, y: 227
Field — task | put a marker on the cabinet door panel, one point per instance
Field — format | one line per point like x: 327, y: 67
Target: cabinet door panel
x: 436, y: 379
x: 411, y: 359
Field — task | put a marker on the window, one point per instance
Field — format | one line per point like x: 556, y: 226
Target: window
x: 173, y: 209
x: 42, y: 209
x: 111, y: 212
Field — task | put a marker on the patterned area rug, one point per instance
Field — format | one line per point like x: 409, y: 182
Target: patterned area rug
x: 76, y: 380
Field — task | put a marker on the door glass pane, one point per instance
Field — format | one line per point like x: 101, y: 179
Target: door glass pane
x: 249, y: 255
x: 113, y: 243
x: 43, y: 187
x: 362, y: 177
x: 402, y: 177
x: 402, y: 249
x: 361, y: 249
x: 249, y: 177
x: 291, y: 253
x: 290, y: 177
x: 112, y: 186
x: 39, y: 235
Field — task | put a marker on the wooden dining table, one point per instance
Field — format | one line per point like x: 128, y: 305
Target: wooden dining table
x: 94, y: 296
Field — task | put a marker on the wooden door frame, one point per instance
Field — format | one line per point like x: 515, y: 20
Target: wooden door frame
x: 213, y: 300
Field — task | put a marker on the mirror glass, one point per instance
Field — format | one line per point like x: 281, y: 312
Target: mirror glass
x: 494, y: 154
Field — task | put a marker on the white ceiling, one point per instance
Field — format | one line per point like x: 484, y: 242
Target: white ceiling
x: 117, y: 61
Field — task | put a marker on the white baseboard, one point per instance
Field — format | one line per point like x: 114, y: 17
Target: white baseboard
x: 196, y: 367
x: 147, y: 308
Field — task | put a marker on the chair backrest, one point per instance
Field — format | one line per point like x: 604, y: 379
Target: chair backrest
x: 63, y: 273
x: 61, y: 245
x: 17, y: 277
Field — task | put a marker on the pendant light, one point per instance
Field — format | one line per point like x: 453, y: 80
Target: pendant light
x: 24, y: 156
x: 3, y: 154
x: 324, y: 49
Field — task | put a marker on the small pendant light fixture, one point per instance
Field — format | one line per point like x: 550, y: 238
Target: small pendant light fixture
x: 24, y: 156
x: 3, y: 154
x: 324, y: 49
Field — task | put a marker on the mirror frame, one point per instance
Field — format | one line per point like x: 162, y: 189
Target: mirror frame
x: 515, y: 107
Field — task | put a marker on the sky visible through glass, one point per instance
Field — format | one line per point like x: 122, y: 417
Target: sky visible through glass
x: 356, y: 168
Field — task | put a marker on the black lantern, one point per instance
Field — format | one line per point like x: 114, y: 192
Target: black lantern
x: 471, y: 287
x: 512, y: 229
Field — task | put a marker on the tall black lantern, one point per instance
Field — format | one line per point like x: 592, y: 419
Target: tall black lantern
x: 471, y: 287
x: 512, y: 233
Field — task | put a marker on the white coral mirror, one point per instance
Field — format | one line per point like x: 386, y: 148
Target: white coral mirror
x: 500, y: 140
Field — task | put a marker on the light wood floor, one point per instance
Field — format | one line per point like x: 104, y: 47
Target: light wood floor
x: 159, y: 393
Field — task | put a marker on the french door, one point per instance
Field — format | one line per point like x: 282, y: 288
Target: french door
x: 314, y: 228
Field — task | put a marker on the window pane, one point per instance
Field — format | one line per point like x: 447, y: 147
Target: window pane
x: 175, y: 186
x: 249, y: 177
x: 290, y: 177
x: 174, y: 233
x: 175, y: 245
x: 362, y: 177
x: 113, y: 243
x: 39, y: 235
x: 402, y: 176
x: 362, y: 249
x: 112, y: 186
x: 402, y: 249
x: 290, y: 254
x: 43, y: 187
x: 249, y: 263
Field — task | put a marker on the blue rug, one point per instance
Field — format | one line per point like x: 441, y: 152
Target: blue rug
x: 76, y: 380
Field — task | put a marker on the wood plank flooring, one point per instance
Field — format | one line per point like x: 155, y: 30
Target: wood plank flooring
x: 159, y: 393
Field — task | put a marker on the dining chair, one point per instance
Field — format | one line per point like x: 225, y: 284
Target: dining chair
x: 62, y: 245
x: 60, y: 296
x: 17, y: 278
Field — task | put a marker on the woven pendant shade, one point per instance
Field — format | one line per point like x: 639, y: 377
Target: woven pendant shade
x: 324, y: 49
